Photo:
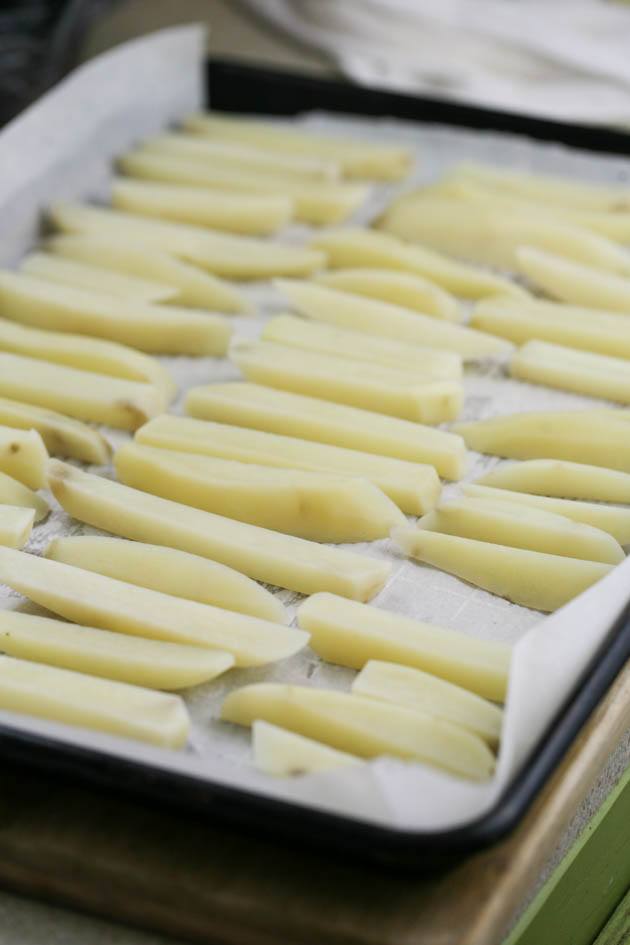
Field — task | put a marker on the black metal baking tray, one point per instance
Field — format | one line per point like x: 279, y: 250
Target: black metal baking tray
x: 239, y: 88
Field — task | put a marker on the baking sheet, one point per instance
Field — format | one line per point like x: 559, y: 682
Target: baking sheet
x: 61, y: 148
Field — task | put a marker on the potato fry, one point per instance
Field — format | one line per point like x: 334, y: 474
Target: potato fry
x: 390, y: 321
x: 173, y: 572
x: 62, y: 436
x: 424, y: 692
x: 132, y: 660
x: 596, y: 375
x: 224, y: 254
x: 413, y: 487
x: 406, y: 289
x: 61, y: 695
x: 529, y: 578
x: 102, y: 602
x: 16, y: 524
x: 292, y: 415
x: 284, y: 754
x: 352, y: 634
x: 363, y: 727
x: 560, y: 479
x: 396, y: 393
x: 17, y: 494
x: 23, y: 456
x: 254, y: 214
x: 574, y: 282
x: 264, y: 555
x: 313, y: 505
x: 85, y: 276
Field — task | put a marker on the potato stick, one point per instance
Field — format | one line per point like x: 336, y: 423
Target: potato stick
x: 351, y: 634
x: 15, y: 493
x: 84, y: 395
x: 596, y: 375
x: 62, y: 436
x: 85, y: 276
x: 170, y: 571
x: 574, y: 282
x: 414, y: 487
x: 351, y: 247
x: 607, y: 518
x: 264, y: 555
x: 192, y: 285
x: 506, y: 523
x: 359, y: 346
x: 396, y: 393
x: 224, y: 254
x: 357, y: 158
x: 292, y: 415
x: 529, y: 578
x: 133, y: 660
x: 386, y: 320
x: 313, y: 505
x: 255, y: 214
x: 62, y: 695
x: 582, y: 436
x: 284, y: 754
x: 427, y: 693
x: 88, y: 354
x: 23, y: 456
x: 152, y: 328
x: 16, y: 524
x: 401, y: 288
x: 560, y: 479
x: 312, y: 202
x: 364, y: 727
x: 102, y: 602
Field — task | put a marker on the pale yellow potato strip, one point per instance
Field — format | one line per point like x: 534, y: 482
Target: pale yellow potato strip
x: 16, y: 524
x: 282, y: 754
x: 415, y: 488
x: 560, y: 479
x: 352, y: 634
x: 16, y: 493
x: 262, y: 554
x: 582, y: 372
x: 401, y: 288
x: 62, y: 436
x: 23, y: 456
x: 133, y: 660
x: 312, y: 505
x: 574, y: 282
x: 85, y: 276
x: 363, y: 727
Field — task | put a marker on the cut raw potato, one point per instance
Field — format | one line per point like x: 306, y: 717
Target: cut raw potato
x: 255, y: 214
x: 317, y: 506
x: 224, y: 254
x: 582, y: 372
x: 352, y: 634
x: 62, y: 436
x: 359, y: 346
x: 582, y: 328
x: 15, y: 493
x: 350, y: 248
x: 16, y: 524
x: 506, y: 523
x: 575, y: 282
x: 357, y: 158
x: 98, y: 601
x: 363, y: 727
x: 133, y: 660
x: 391, y: 391
x: 401, y: 288
x: 529, y: 578
x: 284, y: 754
x: 314, y: 202
x: 193, y: 286
x: 412, y: 486
x: 607, y: 518
x: 582, y: 436
x: 561, y: 479
x: 84, y: 276
x: 390, y: 321
x: 246, y: 158
x: 152, y: 328
x: 84, y: 395
x: 61, y: 695
x: 427, y: 693
x: 275, y: 411
x: 170, y: 571
x: 264, y: 555
x: 87, y: 354
x: 23, y: 456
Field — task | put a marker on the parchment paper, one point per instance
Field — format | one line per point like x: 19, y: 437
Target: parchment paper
x: 61, y: 148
